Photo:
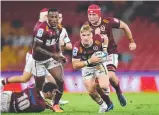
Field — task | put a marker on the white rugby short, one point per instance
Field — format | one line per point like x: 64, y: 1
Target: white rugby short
x: 94, y: 72
x: 5, y: 101
x: 112, y: 59
x: 40, y: 68
x: 29, y: 67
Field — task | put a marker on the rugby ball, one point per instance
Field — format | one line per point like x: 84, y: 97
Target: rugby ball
x: 101, y: 54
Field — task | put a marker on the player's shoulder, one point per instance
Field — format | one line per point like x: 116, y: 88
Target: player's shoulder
x: 109, y: 19
x: 60, y: 26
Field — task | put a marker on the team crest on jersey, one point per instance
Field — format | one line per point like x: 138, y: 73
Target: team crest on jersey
x: 102, y: 28
x: 105, y: 20
x: 95, y: 48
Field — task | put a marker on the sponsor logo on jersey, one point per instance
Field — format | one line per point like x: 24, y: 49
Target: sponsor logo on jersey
x: 75, y: 50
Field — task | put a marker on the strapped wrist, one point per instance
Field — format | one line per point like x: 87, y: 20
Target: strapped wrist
x: 131, y: 40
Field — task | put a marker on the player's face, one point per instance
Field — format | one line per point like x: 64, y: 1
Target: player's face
x: 53, y: 18
x: 60, y: 18
x: 51, y: 95
x: 86, y: 37
x: 93, y: 18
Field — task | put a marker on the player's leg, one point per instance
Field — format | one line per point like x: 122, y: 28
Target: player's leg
x: 105, y: 96
x: 89, y: 82
x: 5, y: 101
x: 112, y: 65
x: 49, y: 78
x: 56, y: 70
x: 91, y: 88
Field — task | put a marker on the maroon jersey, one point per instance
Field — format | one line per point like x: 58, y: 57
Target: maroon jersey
x: 28, y: 100
x: 82, y: 53
x: 49, y: 37
x: 106, y: 28
x: 35, y: 27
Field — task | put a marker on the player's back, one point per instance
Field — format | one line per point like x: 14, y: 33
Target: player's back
x: 29, y: 100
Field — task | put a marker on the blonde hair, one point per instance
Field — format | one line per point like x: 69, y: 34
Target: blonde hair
x: 85, y: 28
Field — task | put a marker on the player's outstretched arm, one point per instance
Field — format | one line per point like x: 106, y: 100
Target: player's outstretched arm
x: 17, y: 79
x: 125, y: 27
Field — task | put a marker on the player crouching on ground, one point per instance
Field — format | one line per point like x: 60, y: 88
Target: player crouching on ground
x: 88, y: 55
x: 29, y: 100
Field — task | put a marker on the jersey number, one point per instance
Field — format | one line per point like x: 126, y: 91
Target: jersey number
x: 23, y: 102
x: 50, y: 42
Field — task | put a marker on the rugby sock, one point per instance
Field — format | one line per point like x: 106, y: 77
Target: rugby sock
x: 59, y: 94
x: 104, y: 96
x: 102, y: 103
x: 117, y: 88
x: 106, y: 99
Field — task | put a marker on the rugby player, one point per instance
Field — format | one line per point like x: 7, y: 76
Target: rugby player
x: 85, y: 56
x: 101, y: 26
x: 29, y: 100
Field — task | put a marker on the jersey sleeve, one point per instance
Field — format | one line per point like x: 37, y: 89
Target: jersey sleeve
x: 64, y: 36
x: 114, y: 22
x: 39, y: 34
x: 75, y: 52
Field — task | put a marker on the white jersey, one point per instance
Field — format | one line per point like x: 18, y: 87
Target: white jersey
x: 64, y: 36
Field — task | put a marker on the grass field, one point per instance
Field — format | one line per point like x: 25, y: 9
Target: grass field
x: 81, y: 104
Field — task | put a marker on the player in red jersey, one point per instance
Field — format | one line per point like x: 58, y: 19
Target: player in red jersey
x: 29, y: 100
x: 101, y: 26
x: 88, y: 55
x: 47, y: 52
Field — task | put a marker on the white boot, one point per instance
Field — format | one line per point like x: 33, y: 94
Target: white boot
x: 63, y: 102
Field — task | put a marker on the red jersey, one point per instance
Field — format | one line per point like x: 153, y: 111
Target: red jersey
x: 28, y: 100
x: 82, y: 53
x: 49, y: 37
x: 106, y: 26
x: 35, y: 27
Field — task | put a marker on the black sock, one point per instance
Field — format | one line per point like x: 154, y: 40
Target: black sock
x: 59, y: 95
x: 116, y: 87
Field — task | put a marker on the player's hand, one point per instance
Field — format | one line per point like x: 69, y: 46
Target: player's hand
x: 97, y: 31
x: 104, y: 36
x: 95, y: 59
x: 1, y: 84
x: 132, y: 46
x: 62, y: 59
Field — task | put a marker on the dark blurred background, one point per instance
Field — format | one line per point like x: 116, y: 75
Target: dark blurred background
x: 18, y: 19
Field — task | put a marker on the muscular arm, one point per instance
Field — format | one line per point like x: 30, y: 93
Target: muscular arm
x: 127, y: 30
x: 37, y: 47
x: 77, y: 64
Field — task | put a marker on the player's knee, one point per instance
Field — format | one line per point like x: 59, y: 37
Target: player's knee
x: 111, y: 74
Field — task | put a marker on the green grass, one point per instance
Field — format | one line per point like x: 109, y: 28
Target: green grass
x: 81, y: 104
